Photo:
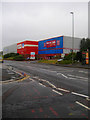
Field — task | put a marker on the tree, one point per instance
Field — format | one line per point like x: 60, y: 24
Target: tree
x: 69, y: 56
x: 79, y: 56
x: 84, y: 44
x: 19, y: 58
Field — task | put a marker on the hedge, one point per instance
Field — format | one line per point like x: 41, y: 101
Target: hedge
x: 19, y: 58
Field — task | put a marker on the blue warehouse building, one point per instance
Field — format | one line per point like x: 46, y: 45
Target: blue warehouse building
x: 57, y: 46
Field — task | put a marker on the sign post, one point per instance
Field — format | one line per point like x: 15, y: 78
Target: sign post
x: 32, y: 55
x: 87, y: 57
x: 62, y: 55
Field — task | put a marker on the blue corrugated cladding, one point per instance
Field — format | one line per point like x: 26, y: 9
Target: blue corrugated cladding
x: 51, y: 50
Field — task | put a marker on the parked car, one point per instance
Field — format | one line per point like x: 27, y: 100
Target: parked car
x: 59, y: 60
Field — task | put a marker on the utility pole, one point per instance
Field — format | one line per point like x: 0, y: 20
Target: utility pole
x: 72, y: 13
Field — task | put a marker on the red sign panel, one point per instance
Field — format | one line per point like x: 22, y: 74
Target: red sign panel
x: 44, y: 44
x: 32, y: 55
x: 58, y: 42
x: 51, y: 43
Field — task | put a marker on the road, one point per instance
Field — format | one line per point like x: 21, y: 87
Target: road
x: 50, y: 92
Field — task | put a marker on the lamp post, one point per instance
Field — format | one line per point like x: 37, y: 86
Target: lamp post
x: 72, y: 13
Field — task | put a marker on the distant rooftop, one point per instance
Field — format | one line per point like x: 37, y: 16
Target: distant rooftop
x: 26, y: 40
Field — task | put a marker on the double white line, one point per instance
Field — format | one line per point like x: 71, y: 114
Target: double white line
x: 82, y: 105
x: 80, y: 94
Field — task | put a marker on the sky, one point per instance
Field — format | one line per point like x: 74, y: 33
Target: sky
x: 40, y: 20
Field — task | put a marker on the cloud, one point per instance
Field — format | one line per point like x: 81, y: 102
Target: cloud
x: 42, y: 20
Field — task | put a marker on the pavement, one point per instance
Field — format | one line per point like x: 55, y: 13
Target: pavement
x: 7, y: 73
x: 77, y: 66
x: 69, y: 65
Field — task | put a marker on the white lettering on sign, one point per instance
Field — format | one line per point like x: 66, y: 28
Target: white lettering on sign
x: 20, y: 46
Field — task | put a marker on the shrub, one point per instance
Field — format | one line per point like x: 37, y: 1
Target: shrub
x: 79, y: 56
x: 19, y: 58
x: 48, y: 61
x: 10, y: 55
x: 69, y: 56
x: 65, y: 62
x: 10, y: 58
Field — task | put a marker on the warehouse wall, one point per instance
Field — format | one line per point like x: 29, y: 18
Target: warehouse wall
x: 26, y: 47
x: 51, y: 46
x: 67, y: 44
x: 10, y: 49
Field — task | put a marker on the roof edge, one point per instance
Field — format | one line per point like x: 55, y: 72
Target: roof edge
x: 27, y: 40
x: 50, y: 38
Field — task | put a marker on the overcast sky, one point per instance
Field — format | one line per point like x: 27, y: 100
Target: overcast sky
x: 35, y: 21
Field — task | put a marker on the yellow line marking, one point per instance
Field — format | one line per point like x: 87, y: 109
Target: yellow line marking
x: 70, y: 114
x: 82, y: 105
x: 23, y: 78
x: 17, y: 72
x: 6, y: 82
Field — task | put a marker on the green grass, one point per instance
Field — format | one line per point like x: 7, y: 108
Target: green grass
x: 10, y: 58
x: 56, y: 62
x: 48, y: 61
x: 65, y: 62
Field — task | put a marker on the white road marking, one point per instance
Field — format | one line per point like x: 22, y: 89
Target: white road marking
x: 80, y: 94
x: 56, y: 87
x: 88, y: 99
x: 42, y: 85
x: 77, y: 76
x: 63, y: 90
x: 17, y: 72
x: 83, y: 71
x: 77, y: 79
x: 57, y: 92
x: 82, y: 105
x: 42, y: 79
x: 62, y: 75
x: 31, y: 79
x: 47, y: 70
x: 51, y: 84
x: 72, y: 78
x: 60, y: 88
x: 36, y: 77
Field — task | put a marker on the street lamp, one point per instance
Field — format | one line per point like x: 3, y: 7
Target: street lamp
x: 72, y: 13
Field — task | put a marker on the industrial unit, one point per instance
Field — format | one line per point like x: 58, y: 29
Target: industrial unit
x: 57, y: 46
x: 46, y: 49
x: 10, y: 49
x: 28, y: 48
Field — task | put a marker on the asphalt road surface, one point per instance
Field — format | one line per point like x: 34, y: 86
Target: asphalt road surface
x: 8, y: 74
x: 49, y: 92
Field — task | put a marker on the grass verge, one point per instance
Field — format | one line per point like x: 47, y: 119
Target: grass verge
x: 56, y: 62
x: 48, y: 61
